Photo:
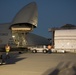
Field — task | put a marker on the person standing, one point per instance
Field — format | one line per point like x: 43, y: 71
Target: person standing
x: 1, y: 60
x: 49, y: 48
x: 7, y: 49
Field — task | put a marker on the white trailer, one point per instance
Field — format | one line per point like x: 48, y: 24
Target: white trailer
x: 64, y: 40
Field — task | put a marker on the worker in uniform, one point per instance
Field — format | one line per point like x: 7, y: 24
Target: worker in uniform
x: 49, y: 48
x: 7, y: 49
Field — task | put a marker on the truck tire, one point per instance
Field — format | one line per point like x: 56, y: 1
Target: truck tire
x: 34, y: 51
x: 45, y: 51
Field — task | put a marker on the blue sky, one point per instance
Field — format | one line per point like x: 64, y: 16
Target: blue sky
x: 51, y: 13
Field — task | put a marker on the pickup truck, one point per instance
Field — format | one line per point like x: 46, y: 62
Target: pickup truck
x: 39, y: 49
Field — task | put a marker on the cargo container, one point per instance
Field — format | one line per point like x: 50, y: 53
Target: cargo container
x: 64, y: 39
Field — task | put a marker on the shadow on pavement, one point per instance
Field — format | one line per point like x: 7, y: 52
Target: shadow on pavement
x: 14, y: 57
x: 62, y: 68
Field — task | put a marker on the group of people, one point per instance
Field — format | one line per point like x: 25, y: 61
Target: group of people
x: 7, y: 50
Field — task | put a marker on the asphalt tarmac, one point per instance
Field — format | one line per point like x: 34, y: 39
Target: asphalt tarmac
x: 39, y: 64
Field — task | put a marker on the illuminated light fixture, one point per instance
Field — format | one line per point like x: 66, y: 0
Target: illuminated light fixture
x: 21, y: 29
x: 13, y: 36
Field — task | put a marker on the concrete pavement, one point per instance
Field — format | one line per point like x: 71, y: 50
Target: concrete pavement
x: 39, y: 64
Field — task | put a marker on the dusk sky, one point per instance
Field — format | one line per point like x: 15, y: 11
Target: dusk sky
x: 51, y: 13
